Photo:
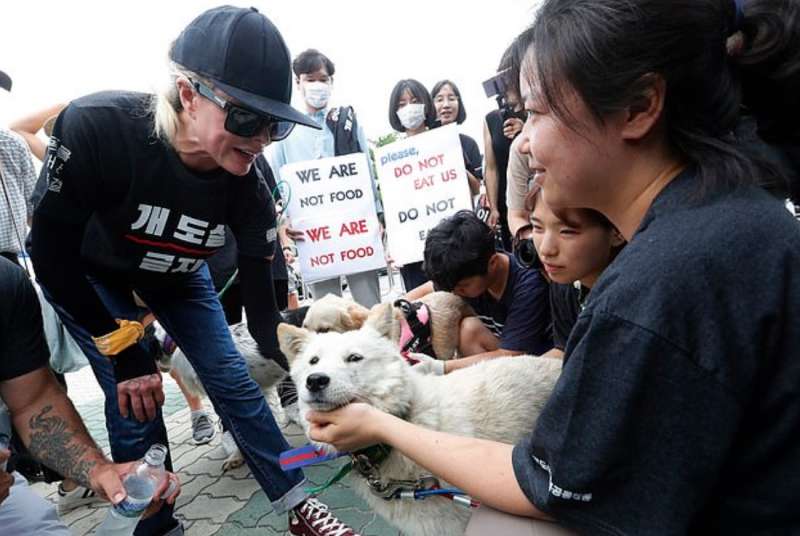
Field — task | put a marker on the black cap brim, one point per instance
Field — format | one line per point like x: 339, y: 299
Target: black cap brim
x: 282, y: 111
x: 5, y: 81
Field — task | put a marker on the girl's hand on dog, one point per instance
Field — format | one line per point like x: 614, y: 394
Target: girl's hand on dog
x: 349, y: 428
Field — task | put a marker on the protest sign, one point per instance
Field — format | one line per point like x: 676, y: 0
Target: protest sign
x: 422, y: 182
x: 332, y: 203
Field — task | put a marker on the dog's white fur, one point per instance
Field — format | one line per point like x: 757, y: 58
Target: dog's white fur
x: 265, y: 372
x: 499, y: 399
x: 334, y: 313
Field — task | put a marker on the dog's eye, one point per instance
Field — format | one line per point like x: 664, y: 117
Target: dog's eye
x: 323, y: 330
x: 314, y: 360
x: 352, y: 358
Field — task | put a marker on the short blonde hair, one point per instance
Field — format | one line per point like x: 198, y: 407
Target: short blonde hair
x: 166, y: 104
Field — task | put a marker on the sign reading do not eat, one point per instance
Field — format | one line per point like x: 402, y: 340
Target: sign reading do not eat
x: 422, y: 182
x: 332, y: 203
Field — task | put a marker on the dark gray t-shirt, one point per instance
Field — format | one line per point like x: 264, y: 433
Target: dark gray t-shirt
x: 678, y: 409
x: 521, y: 318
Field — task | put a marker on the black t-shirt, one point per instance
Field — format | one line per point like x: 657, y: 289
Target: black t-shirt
x: 224, y: 262
x: 279, y: 270
x: 501, y: 147
x: 23, y: 347
x: 147, y: 212
x: 677, y: 411
x: 140, y: 218
x: 521, y: 318
x: 473, y: 160
x: 565, y: 306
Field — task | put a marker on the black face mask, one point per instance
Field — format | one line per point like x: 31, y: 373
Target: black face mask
x: 524, y: 250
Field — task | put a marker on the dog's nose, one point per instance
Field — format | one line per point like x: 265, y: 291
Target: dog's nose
x: 317, y: 382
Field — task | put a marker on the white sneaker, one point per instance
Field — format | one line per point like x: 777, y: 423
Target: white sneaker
x: 69, y: 500
x: 203, y: 429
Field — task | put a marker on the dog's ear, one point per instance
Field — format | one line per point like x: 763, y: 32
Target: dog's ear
x: 356, y: 316
x: 382, y: 320
x: 292, y: 340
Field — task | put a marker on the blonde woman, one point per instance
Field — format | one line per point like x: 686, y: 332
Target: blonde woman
x: 140, y: 190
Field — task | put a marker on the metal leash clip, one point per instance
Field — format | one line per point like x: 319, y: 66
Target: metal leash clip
x: 406, y: 489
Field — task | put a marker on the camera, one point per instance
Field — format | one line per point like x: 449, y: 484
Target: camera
x: 524, y: 250
x: 496, y: 87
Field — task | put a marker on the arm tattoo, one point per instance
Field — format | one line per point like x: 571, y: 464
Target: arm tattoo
x: 52, y: 441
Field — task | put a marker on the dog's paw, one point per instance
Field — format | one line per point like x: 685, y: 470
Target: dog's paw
x: 233, y: 461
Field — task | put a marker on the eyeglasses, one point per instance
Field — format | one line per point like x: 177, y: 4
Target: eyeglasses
x: 243, y: 122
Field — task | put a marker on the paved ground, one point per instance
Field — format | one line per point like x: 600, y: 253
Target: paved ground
x: 212, y: 502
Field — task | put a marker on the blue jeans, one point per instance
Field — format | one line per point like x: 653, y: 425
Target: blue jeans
x: 192, y: 315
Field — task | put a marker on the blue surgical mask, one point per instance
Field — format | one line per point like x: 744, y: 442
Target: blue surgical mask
x: 317, y: 94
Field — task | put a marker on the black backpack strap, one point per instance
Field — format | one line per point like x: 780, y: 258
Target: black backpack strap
x: 342, y: 122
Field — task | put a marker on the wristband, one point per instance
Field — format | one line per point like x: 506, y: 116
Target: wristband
x: 129, y: 333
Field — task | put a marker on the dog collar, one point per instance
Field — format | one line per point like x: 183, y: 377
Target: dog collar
x: 415, y: 328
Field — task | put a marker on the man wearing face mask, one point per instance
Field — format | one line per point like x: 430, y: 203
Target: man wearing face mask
x: 340, y: 135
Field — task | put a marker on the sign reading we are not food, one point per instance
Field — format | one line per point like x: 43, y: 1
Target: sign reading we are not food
x: 332, y: 203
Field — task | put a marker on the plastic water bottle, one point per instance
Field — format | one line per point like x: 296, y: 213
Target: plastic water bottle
x: 140, y: 485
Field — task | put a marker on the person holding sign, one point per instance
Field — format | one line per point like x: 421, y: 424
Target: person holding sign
x: 511, y: 302
x: 450, y: 109
x: 340, y: 135
x: 411, y: 110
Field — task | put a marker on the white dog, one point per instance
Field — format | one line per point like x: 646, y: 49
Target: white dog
x: 498, y: 399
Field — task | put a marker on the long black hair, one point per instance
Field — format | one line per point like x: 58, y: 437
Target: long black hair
x: 608, y: 51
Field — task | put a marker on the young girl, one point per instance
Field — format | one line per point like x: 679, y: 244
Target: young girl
x: 574, y: 247
x: 411, y: 111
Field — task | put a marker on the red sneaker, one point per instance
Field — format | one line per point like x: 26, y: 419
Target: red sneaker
x: 312, y: 518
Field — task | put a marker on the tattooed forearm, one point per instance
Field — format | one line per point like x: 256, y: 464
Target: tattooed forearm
x: 53, y: 441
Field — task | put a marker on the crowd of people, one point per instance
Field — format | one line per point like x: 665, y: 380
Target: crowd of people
x: 634, y: 226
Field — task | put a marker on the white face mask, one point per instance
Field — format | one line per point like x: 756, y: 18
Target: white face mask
x: 411, y: 115
x: 317, y: 94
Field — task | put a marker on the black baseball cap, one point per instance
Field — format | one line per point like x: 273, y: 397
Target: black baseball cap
x: 5, y: 81
x: 243, y: 53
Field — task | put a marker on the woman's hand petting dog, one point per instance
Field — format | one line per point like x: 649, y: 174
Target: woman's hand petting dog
x: 349, y: 428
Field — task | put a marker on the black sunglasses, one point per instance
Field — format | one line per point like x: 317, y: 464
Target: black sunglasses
x: 243, y: 122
